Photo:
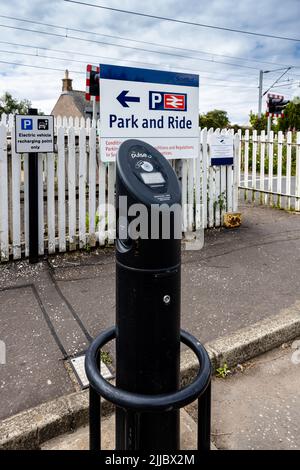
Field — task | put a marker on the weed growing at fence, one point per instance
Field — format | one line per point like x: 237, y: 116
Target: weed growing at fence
x: 223, y: 371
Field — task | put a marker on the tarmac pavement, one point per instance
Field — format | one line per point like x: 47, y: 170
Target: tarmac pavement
x: 49, y: 312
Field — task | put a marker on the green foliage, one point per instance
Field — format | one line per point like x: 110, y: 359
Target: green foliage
x: 217, y: 118
x: 105, y: 357
x: 223, y: 371
x: 87, y: 221
x: 291, y: 119
x: 221, y: 201
x: 87, y: 248
x: 275, y: 158
x: 257, y: 123
x: 10, y: 105
x: 237, y: 127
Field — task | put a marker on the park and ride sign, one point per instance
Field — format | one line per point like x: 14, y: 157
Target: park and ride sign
x: 34, y: 134
x: 159, y: 107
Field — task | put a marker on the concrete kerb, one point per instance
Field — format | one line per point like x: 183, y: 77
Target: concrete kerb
x: 30, y: 428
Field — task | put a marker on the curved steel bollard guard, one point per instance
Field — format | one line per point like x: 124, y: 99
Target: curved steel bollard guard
x: 134, y: 403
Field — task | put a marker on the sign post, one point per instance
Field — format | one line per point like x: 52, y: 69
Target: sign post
x: 34, y: 134
x: 33, y: 204
x: 159, y: 107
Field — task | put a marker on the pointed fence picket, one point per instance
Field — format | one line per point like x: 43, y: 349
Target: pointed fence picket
x: 61, y: 185
x: 92, y: 185
x: 4, y: 240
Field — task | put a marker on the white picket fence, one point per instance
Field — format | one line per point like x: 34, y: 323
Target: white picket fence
x: 270, y: 168
x: 77, y: 190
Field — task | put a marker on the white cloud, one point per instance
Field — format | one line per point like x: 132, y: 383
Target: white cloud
x: 237, y: 94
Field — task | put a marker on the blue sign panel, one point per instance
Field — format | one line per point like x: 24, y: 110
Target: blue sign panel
x: 26, y: 124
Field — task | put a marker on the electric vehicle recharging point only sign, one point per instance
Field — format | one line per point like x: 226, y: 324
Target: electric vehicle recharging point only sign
x: 159, y: 107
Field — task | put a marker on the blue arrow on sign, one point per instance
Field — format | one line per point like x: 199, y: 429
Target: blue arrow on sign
x: 124, y: 99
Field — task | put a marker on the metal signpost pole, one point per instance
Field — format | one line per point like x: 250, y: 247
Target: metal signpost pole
x: 269, y: 126
x: 260, y: 86
x: 33, y: 203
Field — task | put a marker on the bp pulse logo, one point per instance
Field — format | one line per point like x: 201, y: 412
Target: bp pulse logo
x: 162, y: 101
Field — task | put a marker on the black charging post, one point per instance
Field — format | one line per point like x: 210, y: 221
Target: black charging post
x: 148, y: 264
x: 33, y: 202
x: 148, y: 291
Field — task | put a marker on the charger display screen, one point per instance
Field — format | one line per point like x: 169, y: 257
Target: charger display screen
x: 153, y: 178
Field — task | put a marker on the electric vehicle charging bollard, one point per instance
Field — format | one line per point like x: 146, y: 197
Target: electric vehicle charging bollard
x: 147, y: 332
x: 147, y: 290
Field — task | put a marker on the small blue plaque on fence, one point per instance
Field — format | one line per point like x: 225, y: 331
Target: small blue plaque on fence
x: 221, y: 149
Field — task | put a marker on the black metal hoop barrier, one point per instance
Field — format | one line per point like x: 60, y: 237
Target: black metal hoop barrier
x: 134, y: 403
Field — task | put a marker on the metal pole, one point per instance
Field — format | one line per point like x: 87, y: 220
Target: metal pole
x: 95, y: 420
x: 94, y: 108
x: 269, y: 127
x: 95, y: 415
x: 260, y: 91
x: 33, y: 203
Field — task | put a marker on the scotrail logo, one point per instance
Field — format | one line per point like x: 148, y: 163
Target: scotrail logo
x: 162, y: 101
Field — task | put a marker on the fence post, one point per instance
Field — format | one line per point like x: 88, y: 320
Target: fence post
x: 236, y: 171
x: 211, y: 185
x: 205, y: 167
x: 246, y: 163
x: 239, y: 157
x: 4, y: 245
x: 270, y: 167
x: 297, y: 202
x: 61, y: 179
x: 71, y: 187
x: 92, y: 185
x: 82, y: 187
x: 254, y: 161
x: 198, y: 176
x: 223, y: 199
x: 279, y: 166
x: 262, y: 165
x: 288, y: 168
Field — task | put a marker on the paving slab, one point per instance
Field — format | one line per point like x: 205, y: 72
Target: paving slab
x: 257, y: 406
x: 34, y: 369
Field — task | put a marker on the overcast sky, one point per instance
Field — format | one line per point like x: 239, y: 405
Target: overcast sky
x: 222, y: 86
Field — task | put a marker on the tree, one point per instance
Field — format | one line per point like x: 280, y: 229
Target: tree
x: 291, y: 118
x: 10, y: 105
x: 237, y: 127
x: 216, y: 118
x: 259, y: 124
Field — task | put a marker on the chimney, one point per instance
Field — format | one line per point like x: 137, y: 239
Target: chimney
x: 67, y: 82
